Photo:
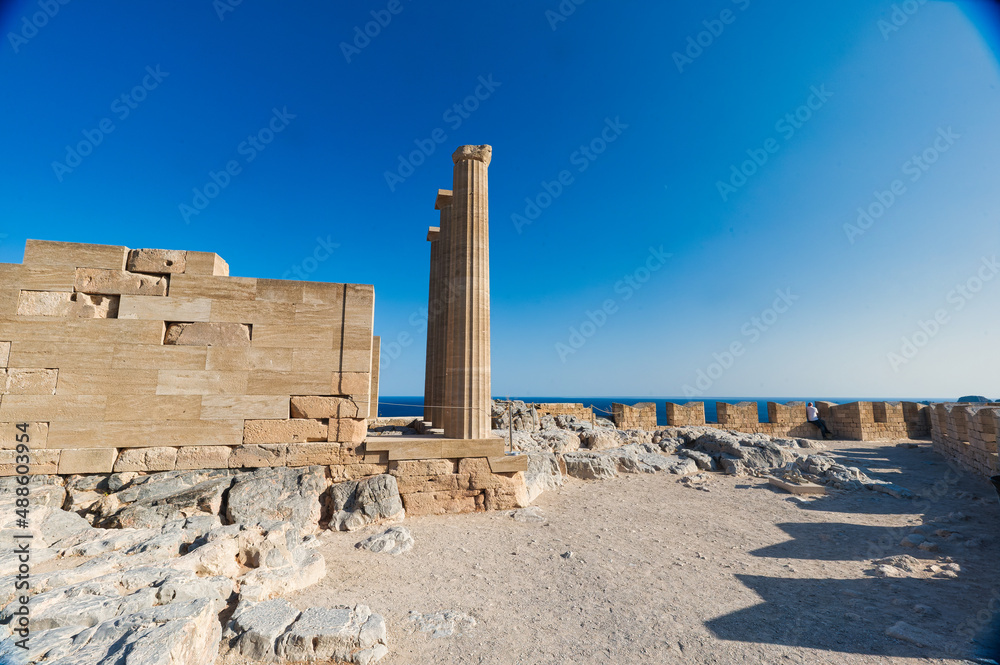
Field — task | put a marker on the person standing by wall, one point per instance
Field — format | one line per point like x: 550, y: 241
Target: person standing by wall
x: 812, y: 415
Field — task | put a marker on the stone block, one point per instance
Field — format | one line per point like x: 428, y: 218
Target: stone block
x: 195, y: 382
x: 144, y: 433
x: 337, y: 360
x: 230, y: 407
x: 64, y: 303
x: 315, y: 453
x: 119, y: 282
x: 279, y: 290
x: 258, y: 455
x: 323, y: 293
x: 4, y: 354
x: 246, y: 358
x: 348, y: 430
x: 205, y: 263
x: 266, y: 382
x: 207, y: 334
x: 441, y: 503
x: 14, y: 277
x: 373, y: 376
x: 158, y: 356
x: 330, y: 313
x: 215, y: 288
x: 37, y: 435
x: 203, y: 457
x: 311, y: 406
x: 284, y: 431
x: 441, y: 483
x: 481, y: 476
x: 427, y: 467
x: 39, y: 462
x: 75, y: 255
x: 152, y: 407
x: 358, y: 470
x: 146, y: 459
x: 351, y: 383
x: 87, y: 460
x: 252, y: 311
x: 164, y: 308
x: 108, y: 382
x: 157, y: 261
x: 19, y: 381
x: 49, y: 408
x: 295, y: 336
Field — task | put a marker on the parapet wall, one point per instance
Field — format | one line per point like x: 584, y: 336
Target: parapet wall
x: 149, y: 360
x: 967, y: 433
x: 564, y: 409
x: 637, y: 416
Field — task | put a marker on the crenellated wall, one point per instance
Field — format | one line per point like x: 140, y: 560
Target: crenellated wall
x: 967, y: 433
x: 636, y: 416
x: 578, y: 410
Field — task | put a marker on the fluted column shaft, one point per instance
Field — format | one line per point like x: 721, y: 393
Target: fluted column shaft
x: 433, y: 358
x: 468, y: 331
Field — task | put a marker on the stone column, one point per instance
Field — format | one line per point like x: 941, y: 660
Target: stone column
x: 468, y: 351
x: 433, y: 333
x: 437, y: 312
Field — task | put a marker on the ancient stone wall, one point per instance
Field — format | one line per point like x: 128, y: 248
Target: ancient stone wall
x: 564, y: 409
x: 967, y: 434
x: 861, y: 421
x: 151, y: 360
x: 637, y: 416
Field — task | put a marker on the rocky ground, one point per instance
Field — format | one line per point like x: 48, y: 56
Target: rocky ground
x: 654, y: 546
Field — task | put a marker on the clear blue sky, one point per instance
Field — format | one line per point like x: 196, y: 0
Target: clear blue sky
x: 884, y: 88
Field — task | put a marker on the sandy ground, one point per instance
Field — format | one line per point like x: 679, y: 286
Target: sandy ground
x: 663, y: 573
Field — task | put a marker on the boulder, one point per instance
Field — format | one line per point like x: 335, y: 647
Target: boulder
x: 601, y: 439
x: 590, y: 466
x: 353, y: 635
x: 543, y: 474
x: 356, y: 503
x: 286, y: 494
x: 255, y: 627
x: 524, y: 417
x: 394, y: 540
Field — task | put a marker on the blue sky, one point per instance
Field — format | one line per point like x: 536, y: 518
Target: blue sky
x: 765, y: 291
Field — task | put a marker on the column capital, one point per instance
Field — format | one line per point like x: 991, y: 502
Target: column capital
x: 432, y: 233
x: 482, y: 153
x: 443, y: 199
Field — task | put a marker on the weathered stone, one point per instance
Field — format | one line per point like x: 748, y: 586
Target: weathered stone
x: 442, y: 503
x: 286, y: 494
x: 589, y: 466
x: 355, y: 504
x: 40, y: 462
x: 158, y: 508
x: 256, y: 627
x: 508, y: 497
x: 543, y: 474
x: 394, y: 540
x: 325, y: 407
x: 203, y: 457
x: 314, y: 453
x: 217, y: 557
x: 258, y: 455
x: 431, y: 467
x: 348, y: 430
x: 356, y: 471
x: 295, y: 430
x: 67, y: 304
x: 119, y: 282
x: 146, y: 459
x: 87, y: 460
x: 601, y: 440
x: 453, y: 481
x: 157, y: 261
x: 331, y: 634
x: 30, y: 381
x: 306, y: 568
x: 922, y: 638
x: 208, y: 334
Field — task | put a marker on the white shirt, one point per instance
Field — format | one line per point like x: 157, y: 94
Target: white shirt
x: 812, y: 413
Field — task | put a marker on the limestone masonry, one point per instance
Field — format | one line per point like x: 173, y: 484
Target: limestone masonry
x: 153, y: 360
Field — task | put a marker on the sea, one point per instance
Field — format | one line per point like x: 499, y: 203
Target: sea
x: 413, y: 405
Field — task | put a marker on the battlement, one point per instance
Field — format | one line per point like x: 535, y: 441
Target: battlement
x: 967, y: 434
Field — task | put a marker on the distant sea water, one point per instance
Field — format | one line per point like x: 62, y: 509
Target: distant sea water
x: 413, y: 406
